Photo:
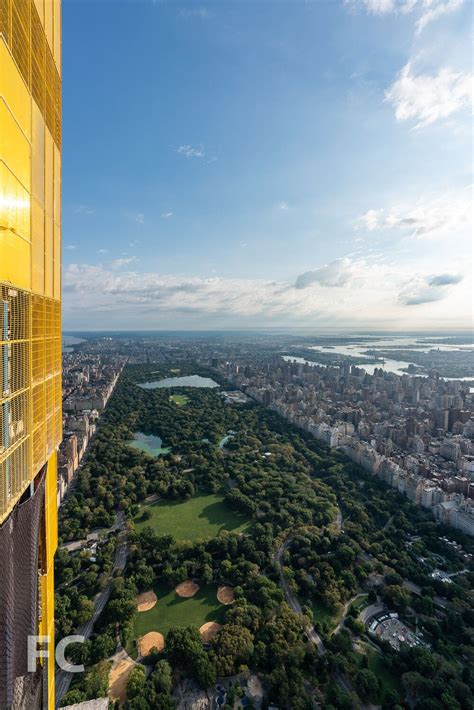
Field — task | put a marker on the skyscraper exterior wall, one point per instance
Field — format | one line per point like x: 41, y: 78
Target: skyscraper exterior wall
x: 30, y: 340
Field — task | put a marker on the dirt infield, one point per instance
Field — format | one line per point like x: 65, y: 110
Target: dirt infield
x: 209, y: 630
x: 118, y: 678
x: 153, y: 639
x: 187, y: 589
x: 146, y: 601
x: 226, y: 595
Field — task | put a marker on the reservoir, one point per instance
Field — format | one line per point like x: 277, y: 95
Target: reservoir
x: 149, y: 443
x: 187, y: 381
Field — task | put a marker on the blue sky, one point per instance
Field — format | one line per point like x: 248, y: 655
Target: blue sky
x: 266, y: 163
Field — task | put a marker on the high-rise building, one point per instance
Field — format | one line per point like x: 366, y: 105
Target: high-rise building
x: 30, y: 341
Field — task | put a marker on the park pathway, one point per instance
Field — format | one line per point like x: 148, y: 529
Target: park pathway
x: 64, y: 678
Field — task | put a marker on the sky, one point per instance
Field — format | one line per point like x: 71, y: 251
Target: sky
x: 267, y: 163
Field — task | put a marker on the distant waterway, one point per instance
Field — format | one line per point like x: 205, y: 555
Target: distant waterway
x: 187, y: 381
x: 149, y: 443
x: 358, y: 351
x: 69, y: 341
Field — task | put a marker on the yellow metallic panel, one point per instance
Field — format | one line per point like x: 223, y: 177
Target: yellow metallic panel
x: 57, y: 185
x: 38, y: 155
x: 40, y: 8
x: 48, y: 256
x: 14, y: 204
x: 57, y: 34
x: 57, y: 262
x: 48, y: 21
x: 37, y: 248
x: 14, y: 146
x: 48, y: 174
x: 30, y: 260
x: 14, y: 259
x: 14, y: 90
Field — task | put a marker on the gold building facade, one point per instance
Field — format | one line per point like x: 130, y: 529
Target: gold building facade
x: 30, y: 340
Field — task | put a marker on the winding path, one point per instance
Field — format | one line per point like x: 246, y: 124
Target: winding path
x: 293, y: 600
x: 64, y: 678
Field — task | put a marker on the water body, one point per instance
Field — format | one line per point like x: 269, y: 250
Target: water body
x: 359, y: 350
x: 69, y: 341
x: 149, y: 443
x: 187, y: 381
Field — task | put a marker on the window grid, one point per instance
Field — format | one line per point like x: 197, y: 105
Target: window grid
x: 21, y: 27
x: 30, y: 388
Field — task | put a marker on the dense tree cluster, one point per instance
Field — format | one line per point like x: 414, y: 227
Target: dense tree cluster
x: 338, y: 531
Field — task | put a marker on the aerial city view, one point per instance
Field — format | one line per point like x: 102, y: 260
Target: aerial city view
x: 236, y: 355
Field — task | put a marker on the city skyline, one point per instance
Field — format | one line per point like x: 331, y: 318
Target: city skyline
x: 267, y: 165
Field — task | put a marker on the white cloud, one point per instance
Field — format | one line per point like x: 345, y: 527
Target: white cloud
x: 189, y: 152
x: 123, y: 261
x: 449, y: 213
x: 166, y: 215
x: 102, y: 251
x: 346, y: 292
x: 373, y: 7
x: 428, y: 289
x: 337, y: 273
x: 434, y: 9
x: 283, y: 206
x: 428, y: 98
x: 137, y: 217
x: 430, y: 10
x: 83, y: 209
x: 71, y: 247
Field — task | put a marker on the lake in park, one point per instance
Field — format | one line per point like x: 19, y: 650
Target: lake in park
x: 187, y: 381
x: 149, y: 443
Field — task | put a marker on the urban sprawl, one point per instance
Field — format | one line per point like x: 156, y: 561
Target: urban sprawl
x: 416, y: 433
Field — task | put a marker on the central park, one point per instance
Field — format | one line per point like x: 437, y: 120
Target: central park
x: 252, y: 551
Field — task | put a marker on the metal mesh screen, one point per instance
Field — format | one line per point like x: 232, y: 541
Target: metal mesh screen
x: 30, y: 389
x: 19, y: 570
x: 21, y: 26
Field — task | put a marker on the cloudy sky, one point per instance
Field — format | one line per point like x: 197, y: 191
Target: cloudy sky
x: 256, y: 163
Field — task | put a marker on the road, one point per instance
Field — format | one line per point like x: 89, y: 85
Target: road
x: 388, y: 523
x: 294, y: 603
x: 345, y: 611
x: 64, y: 678
x: 292, y: 600
x: 416, y: 589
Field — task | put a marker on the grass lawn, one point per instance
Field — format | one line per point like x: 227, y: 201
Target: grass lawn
x: 361, y: 603
x: 171, y: 610
x: 179, y: 399
x: 378, y: 666
x: 195, y: 519
x: 323, y: 615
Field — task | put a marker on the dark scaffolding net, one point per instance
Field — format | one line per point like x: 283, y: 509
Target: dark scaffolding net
x: 19, y: 604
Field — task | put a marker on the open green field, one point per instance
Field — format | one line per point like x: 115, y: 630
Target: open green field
x: 323, y: 615
x: 171, y: 610
x: 179, y: 399
x: 361, y: 603
x: 377, y: 665
x: 195, y: 519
